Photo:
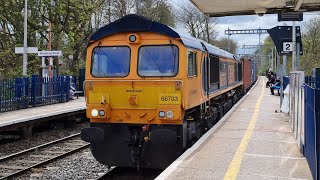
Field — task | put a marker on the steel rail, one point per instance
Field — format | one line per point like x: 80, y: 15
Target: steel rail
x: 54, y: 157
x: 37, y: 147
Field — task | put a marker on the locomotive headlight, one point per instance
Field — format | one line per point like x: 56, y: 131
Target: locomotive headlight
x: 169, y: 114
x: 132, y: 38
x: 101, y: 113
x: 94, y: 112
x: 162, y: 114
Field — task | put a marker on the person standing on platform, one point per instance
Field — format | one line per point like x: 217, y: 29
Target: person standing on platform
x: 269, y: 76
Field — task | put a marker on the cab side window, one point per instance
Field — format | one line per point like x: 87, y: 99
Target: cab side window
x: 192, y: 64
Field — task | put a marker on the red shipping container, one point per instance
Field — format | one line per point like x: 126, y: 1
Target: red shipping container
x: 246, y: 64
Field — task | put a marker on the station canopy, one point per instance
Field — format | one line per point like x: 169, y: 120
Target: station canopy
x: 217, y: 8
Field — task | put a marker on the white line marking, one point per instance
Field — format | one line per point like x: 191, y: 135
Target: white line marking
x: 271, y: 156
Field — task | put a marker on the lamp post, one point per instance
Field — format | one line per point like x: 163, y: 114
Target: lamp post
x: 271, y: 64
x: 25, y: 40
x: 53, y: 4
x: 49, y: 48
x: 229, y: 39
x: 294, y: 53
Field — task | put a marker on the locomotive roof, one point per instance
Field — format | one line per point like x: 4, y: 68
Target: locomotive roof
x: 135, y: 23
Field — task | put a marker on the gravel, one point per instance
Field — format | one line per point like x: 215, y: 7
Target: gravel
x: 81, y: 165
x: 39, y: 138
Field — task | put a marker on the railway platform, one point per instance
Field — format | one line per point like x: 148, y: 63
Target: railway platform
x: 252, y: 141
x: 27, y: 117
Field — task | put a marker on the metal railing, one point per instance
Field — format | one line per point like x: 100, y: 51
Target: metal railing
x: 20, y: 93
x: 45, y: 91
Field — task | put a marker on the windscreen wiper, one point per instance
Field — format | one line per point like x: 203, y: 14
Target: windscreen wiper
x: 153, y: 59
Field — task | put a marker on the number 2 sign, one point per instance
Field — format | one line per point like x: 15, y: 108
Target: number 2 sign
x: 287, y: 46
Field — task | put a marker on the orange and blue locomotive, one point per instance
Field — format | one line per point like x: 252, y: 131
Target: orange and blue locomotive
x: 152, y: 91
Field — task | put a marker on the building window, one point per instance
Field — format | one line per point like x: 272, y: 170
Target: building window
x: 192, y: 64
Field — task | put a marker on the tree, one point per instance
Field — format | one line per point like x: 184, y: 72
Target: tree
x: 71, y: 27
x: 122, y: 8
x: 72, y: 24
x: 75, y: 28
x: 223, y: 44
x: 196, y: 23
x: 311, y: 45
x: 266, y: 54
x: 158, y: 10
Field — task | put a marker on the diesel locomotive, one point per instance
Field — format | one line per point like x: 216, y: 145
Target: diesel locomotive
x: 152, y: 91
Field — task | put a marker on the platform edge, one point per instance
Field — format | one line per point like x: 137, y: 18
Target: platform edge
x: 189, y: 151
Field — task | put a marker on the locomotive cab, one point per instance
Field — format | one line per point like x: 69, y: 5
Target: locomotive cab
x: 136, y: 83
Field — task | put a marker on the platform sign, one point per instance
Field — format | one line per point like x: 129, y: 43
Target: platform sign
x: 30, y: 50
x: 282, y: 38
x: 49, y: 53
x: 287, y: 47
x: 290, y: 16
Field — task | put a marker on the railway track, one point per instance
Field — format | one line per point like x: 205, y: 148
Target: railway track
x: 18, y: 163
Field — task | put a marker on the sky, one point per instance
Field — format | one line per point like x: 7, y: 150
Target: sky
x: 248, y: 22
x: 267, y: 21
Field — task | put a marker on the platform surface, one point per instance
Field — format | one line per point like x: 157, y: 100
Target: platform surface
x: 29, y: 114
x: 251, y: 142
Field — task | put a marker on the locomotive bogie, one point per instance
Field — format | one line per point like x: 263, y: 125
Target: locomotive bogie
x: 120, y: 147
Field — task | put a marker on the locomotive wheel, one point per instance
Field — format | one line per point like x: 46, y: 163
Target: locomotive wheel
x: 220, y: 112
x: 235, y: 99
x: 229, y: 104
x: 225, y: 108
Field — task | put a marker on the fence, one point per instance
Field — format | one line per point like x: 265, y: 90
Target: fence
x: 312, y: 125
x: 296, y: 101
x: 23, y: 93
x: 312, y: 143
x: 305, y: 116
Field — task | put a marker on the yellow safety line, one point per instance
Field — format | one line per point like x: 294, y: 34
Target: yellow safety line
x: 235, y: 164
